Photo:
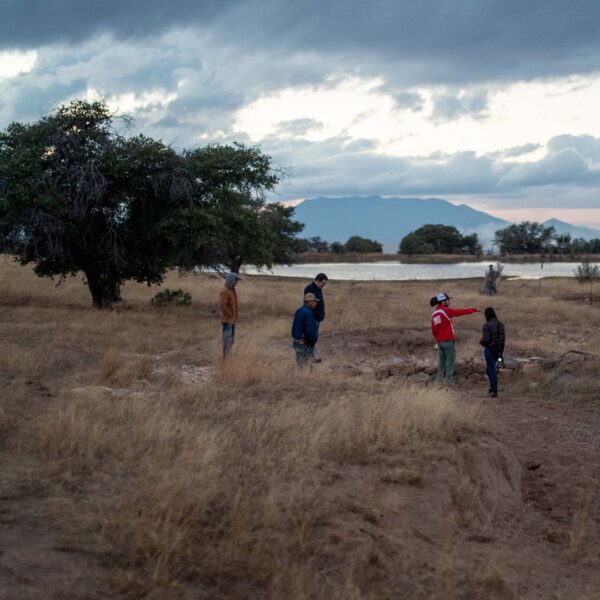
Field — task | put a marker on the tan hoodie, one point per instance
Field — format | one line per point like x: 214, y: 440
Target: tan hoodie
x: 228, y: 304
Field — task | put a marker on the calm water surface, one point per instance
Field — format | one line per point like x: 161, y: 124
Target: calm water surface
x: 394, y: 271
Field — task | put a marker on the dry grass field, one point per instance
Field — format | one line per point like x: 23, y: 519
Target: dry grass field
x: 135, y: 464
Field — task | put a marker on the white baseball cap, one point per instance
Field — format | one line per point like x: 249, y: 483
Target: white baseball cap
x: 443, y: 296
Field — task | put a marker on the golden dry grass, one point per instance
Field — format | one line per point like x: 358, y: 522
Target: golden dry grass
x: 214, y: 482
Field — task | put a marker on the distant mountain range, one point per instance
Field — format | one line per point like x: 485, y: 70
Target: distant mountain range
x: 388, y: 220
x: 576, y: 232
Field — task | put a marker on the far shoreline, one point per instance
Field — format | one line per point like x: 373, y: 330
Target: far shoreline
x: 326, y: 257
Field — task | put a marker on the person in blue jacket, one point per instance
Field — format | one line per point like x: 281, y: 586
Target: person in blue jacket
x: 305, y: 331
x: 316, y: 287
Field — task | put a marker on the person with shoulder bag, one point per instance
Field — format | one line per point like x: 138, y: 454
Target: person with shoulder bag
x: 493, y: 338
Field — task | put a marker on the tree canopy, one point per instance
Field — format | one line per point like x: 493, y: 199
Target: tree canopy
x: 439, y: 239
x: 525, y: 238
x: 355, y: 243
x: 359, y: 244
x: 246, y: 229
x: 313, y: 244
x: 75, y: 195
x: 566, y: 244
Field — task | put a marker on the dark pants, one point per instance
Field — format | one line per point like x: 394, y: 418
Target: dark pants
x: 491, y: 370
x: 228, y: 337
x: 305, y: 355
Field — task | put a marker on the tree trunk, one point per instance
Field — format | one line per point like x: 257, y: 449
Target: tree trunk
x: 235, y: 264
x: 105, y: 292
x: 116, y: 293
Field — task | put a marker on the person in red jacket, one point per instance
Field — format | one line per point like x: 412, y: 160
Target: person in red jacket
x: 443, y: 332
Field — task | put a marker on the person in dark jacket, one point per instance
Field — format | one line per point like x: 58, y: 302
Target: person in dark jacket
x: 305, y: 331
x: 316, y: 288
x: 493, y: 337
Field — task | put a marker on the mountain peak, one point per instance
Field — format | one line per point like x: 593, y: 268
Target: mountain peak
x: 575, y: 231
x: 388, y: 220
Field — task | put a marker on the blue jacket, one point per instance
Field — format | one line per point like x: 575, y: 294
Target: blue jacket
x: 305, y: 326
x: 313, y: 288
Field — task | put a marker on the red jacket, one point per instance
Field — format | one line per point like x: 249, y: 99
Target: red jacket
x: 441, y: 322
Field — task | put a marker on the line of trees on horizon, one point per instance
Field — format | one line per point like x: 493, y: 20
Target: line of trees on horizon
x: 354, y: 244
x: 535, y: 238
x: 521, y: 238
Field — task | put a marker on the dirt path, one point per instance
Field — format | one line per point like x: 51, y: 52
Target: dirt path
x: 558, y: 445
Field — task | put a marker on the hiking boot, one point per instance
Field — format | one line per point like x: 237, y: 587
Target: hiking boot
x: 494, y: 395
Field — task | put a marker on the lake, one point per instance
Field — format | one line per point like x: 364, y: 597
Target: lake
x: 395, y: 271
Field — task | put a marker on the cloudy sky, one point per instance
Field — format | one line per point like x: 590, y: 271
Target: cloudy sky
x: 495, y: 103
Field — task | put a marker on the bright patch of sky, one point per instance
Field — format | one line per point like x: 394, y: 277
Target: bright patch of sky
x: 130, y: 102
x: 14, y: 63
x: 584, y: 217
x: 517, y: 114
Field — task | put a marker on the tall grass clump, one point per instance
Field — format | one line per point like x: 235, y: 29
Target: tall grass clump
x: 577, y: 381
x: 120, y: 369
x: 354, y: 428
x: 88, y: 430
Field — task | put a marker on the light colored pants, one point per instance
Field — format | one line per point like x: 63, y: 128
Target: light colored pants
x: 446, y: 361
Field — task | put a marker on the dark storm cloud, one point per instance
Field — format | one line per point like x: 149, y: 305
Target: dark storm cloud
x: 426, y: 41
x: 441, y: 41
x: 31, y: 23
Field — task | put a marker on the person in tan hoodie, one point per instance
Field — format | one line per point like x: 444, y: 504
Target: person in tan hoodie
x: 228, y: 304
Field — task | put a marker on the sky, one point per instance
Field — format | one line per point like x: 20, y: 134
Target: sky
x: 492, y: 103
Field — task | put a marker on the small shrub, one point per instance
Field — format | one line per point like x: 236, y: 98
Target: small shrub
x: 176, y: 297
x: 587, y: 273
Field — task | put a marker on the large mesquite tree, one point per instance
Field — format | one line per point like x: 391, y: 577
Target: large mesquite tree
x: 76, y: 196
